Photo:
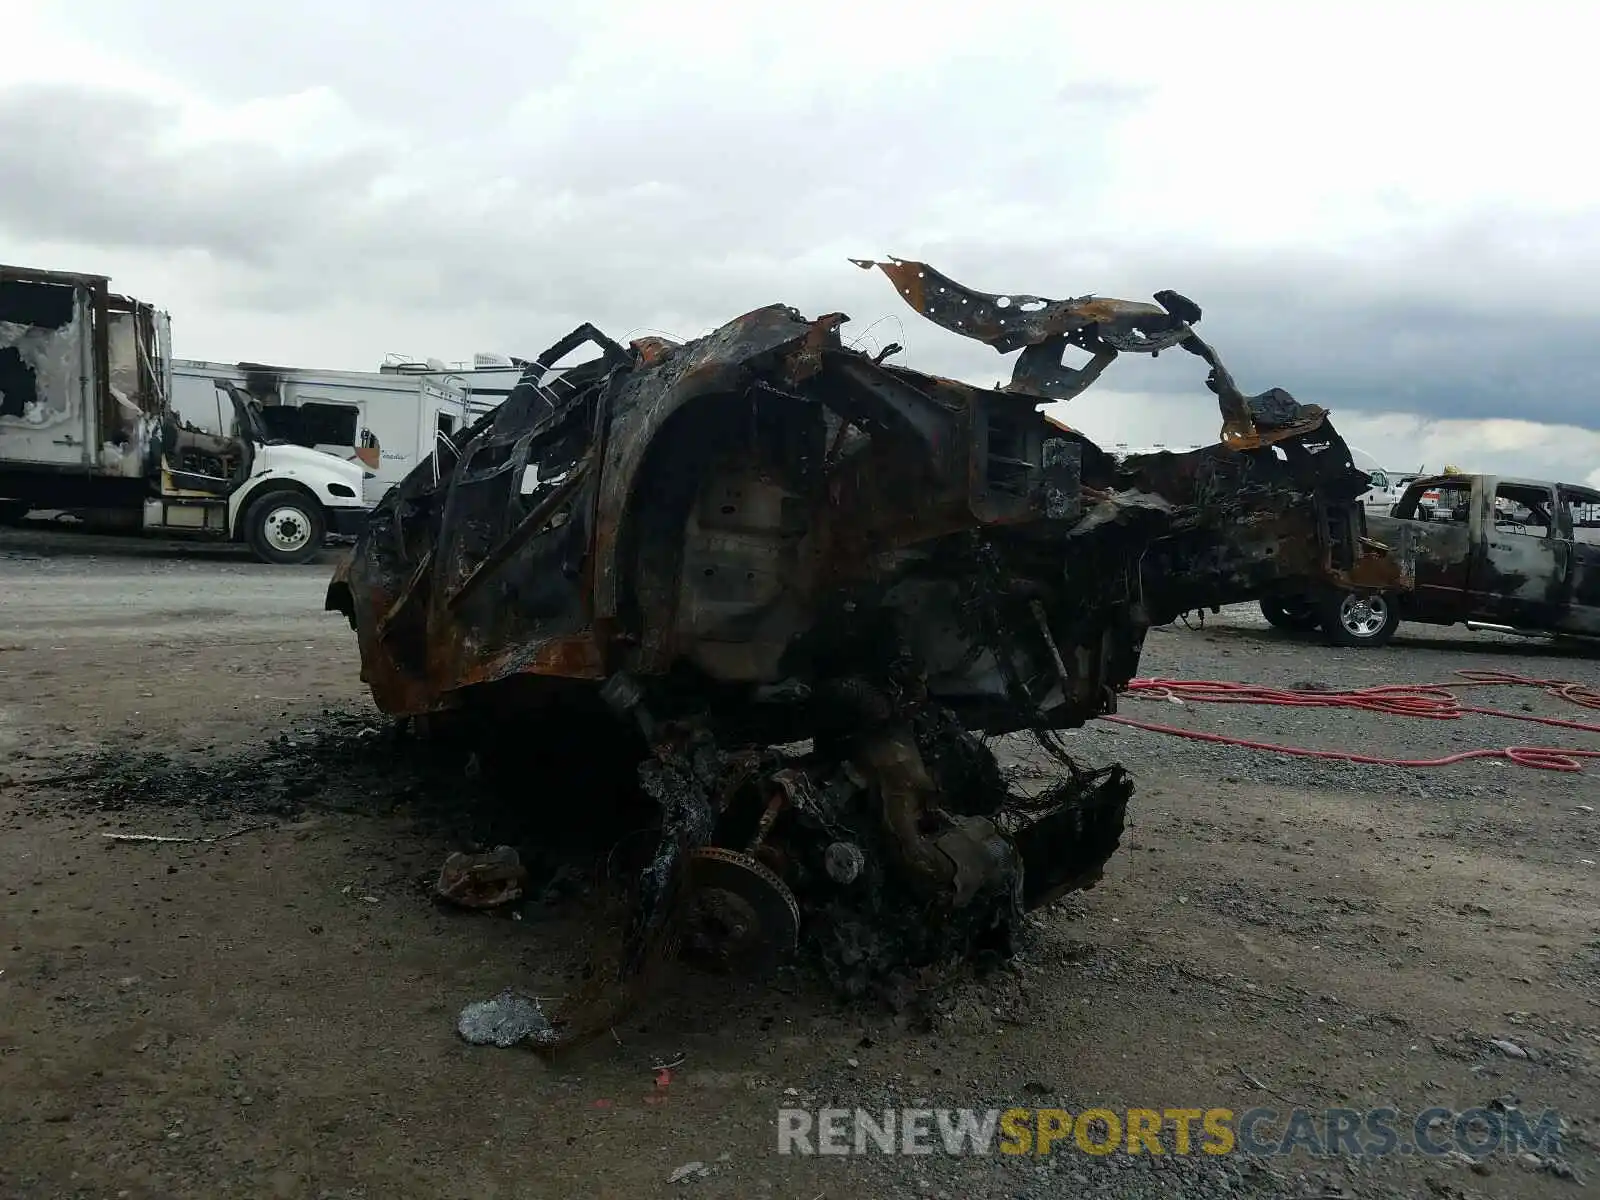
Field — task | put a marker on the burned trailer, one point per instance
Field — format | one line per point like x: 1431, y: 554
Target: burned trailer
x: 807, y: 582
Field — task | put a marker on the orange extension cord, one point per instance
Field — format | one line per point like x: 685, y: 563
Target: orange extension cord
x: 1434, y: 701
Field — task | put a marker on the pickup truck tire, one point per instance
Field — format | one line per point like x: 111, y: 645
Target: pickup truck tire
x: 1350, y: 619
x: 284, y: 527
x: 1294, y: 613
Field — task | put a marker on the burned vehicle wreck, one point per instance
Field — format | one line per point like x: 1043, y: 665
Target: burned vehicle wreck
x: 809, y: 583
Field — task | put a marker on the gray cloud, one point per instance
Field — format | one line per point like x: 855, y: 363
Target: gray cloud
x: 1399, y: 332
x: 672, y: 205
x: 91, y: 166
x: 1102, y: 93
x: 440, y: 67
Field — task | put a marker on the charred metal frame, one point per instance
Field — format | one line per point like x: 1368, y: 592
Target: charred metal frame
x: 762, y: 536
x: 102, y: 303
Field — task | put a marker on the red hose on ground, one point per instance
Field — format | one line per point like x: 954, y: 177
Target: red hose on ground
x: 1434, y: 701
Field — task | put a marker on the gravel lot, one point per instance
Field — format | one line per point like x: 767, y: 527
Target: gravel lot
x: 273, y: 1014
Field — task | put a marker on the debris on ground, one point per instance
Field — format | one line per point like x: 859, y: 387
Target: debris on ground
x: 183, y: 838
x: 690, y: 1170
x: 507, y: 1020
x: 487, y: 879
x: 278, y: 777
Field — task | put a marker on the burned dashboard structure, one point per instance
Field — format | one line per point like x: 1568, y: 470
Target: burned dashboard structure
x: 809, y: 582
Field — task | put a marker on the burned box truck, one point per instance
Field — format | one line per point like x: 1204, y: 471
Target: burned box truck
x: 810, y: 583
x: 87, y: 427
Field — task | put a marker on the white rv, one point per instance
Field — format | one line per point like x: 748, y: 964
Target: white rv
x: 1123, y: 450
x: 383, y: 420
x: 487, y: 380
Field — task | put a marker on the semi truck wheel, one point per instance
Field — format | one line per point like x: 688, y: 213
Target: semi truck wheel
x: 1350, y: 619
x: 1294, y: 613
x: 284, y: 527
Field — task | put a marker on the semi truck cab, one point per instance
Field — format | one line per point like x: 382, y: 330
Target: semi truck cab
x: 280, y: 499
x: 87, y: 427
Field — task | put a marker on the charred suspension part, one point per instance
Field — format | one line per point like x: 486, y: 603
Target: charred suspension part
x: 761, y: 539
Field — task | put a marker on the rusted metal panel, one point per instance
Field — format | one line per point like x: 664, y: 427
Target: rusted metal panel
x: 58, y: 278
x: 1011, y: 321
x: 1044, y: 328
x: 724, y: 362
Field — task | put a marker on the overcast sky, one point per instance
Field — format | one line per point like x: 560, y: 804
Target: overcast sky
x: 1391, y: 210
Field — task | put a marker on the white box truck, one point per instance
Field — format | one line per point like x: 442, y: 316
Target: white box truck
x: 87, y: 426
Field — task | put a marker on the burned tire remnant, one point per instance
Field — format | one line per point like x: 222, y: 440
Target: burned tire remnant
x: 810, y: 583
x: 1295, y: 614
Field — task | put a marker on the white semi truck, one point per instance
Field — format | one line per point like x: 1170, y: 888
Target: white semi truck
x: 87, y: 427
x: 385, y: 422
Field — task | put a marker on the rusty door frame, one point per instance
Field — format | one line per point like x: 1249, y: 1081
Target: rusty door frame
x: 1539, y: 605
x: 1581, y: 616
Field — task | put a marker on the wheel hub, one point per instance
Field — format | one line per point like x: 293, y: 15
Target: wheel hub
x: 741, y: 912
x: 1363, y: 616
x: 287, y: 529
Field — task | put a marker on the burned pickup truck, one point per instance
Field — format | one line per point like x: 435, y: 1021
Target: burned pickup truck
x: 1494, y: 553
x: 799, y: 577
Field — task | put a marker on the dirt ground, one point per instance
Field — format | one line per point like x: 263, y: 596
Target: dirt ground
x: 273, y: 1014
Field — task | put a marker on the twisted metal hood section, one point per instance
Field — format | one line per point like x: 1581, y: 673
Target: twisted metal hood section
x: 1043, y: 329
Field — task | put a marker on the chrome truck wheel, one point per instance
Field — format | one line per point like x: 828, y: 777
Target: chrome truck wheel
x: 1353, y: 619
